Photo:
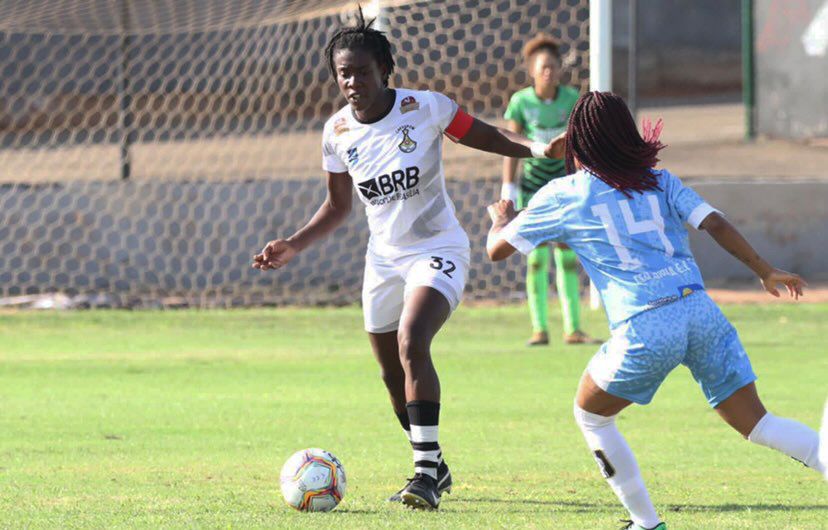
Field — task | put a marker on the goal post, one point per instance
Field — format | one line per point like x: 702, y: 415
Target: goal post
x: 600, y: 74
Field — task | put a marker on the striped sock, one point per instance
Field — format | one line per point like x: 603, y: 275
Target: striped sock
x: 425, y: 417
x: 404, y: 423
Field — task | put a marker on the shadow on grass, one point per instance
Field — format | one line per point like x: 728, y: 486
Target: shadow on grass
x: 577, y: 506
x: 746, y: 507
x: 521, y: 505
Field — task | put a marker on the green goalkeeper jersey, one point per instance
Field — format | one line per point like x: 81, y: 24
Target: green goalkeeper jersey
x: 542, y: 120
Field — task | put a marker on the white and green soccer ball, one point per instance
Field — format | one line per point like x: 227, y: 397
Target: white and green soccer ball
x: 313, y: 480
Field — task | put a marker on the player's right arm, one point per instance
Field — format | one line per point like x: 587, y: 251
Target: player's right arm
x: 331, y: 214
x: 509, y: 189
x: 730, y: 239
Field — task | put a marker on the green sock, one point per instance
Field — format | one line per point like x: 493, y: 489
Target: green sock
x: 566, y: 279
x: 537, y: 287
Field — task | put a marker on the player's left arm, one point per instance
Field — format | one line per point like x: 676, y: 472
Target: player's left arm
x: 501, y: 213
x: 730, y: 239
x: 695, y: 211
x: 480, y: 135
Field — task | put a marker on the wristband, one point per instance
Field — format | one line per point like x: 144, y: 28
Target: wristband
x: 509, y: 192
x: 538, y: 149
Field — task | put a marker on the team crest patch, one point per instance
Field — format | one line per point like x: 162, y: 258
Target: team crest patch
x: 687, y: 290
x: 353, y: 156
x: 408, y: 104
x: 340, y: 126
x: 407, y: 145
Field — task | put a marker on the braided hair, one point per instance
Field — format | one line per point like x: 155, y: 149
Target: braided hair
x: 363, y: 37
x: 603, y: 137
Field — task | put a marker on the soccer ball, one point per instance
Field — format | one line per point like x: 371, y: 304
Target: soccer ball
x: 313, y: 480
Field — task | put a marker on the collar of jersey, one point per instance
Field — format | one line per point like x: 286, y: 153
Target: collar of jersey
x: 547, y: 101
x: 379, y: 119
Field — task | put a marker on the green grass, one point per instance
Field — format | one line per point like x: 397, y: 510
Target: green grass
x: 183, y: 419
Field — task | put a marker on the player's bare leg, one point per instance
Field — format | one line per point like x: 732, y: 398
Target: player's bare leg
x: 424, y: 313
x: 596, y: 400
x: 595, y: 412
x: 387, y: 354
x: 744, y: 411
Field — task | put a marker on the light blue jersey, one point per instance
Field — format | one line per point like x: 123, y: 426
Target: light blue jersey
x: 635, y: 249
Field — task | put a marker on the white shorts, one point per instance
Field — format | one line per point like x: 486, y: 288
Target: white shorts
x: 388, y: 282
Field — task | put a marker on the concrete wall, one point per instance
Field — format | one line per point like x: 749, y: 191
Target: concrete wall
x: 139, y: 242
x: 791, y: 43
x: 686, y: 48
x: 787, y: 223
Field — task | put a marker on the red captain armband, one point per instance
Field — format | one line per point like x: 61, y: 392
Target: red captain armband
x: 459, y: 126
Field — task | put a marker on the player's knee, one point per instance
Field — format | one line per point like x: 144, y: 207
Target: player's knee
x: 392, y: 378
x: 588, y: 421
x: 413, y: 343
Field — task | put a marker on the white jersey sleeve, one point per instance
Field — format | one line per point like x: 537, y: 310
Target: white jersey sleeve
x: 330, y: 159
x: 442, y: 110
x: 690, y: 207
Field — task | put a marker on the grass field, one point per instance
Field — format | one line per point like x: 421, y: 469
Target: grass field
x: 183, y: 419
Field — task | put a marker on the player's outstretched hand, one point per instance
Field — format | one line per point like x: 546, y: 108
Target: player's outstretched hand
x: 557, y: 147
x: 502, y: 211
x: 791, y: 281
x: 274, y: 255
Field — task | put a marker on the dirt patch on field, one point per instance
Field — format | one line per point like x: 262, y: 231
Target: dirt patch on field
x: 756, y: 295
x: 741, y: 294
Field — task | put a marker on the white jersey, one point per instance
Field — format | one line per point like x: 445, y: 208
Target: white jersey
x: 397, y: 167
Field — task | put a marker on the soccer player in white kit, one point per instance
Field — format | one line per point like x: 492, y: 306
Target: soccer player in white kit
x: 388, y: 144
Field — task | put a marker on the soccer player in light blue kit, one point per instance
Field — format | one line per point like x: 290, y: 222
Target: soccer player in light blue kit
x: 625, y: 221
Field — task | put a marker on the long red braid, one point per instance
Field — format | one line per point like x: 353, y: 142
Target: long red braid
x: 603, y: 137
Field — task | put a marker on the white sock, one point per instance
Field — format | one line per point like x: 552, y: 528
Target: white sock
x: 439, y: 455
x: 424, y: 417
x: 823, y: 442
x: 618, y: 465
x: 427, y: 454
x: 790, y: 437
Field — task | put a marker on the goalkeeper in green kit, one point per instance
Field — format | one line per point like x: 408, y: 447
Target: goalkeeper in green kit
x: 541, y: 113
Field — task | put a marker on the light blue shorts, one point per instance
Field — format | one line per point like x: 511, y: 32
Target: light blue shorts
x: 691, y: 331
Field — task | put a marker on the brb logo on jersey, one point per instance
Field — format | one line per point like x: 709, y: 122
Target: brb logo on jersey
x: 407, y: 145
x: 397, y: 185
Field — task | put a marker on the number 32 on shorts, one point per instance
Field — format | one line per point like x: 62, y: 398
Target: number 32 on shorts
x: 446, y: 266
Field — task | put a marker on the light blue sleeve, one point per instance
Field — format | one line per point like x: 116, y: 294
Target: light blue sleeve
x: 540, y: 222
x: 690, y: 207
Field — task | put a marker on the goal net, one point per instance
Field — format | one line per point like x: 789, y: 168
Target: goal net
x: 149, y: 147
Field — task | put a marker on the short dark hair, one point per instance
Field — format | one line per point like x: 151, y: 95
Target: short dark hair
x: 603, y: 137
x: 541, y: 42
x: 362, y: 36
